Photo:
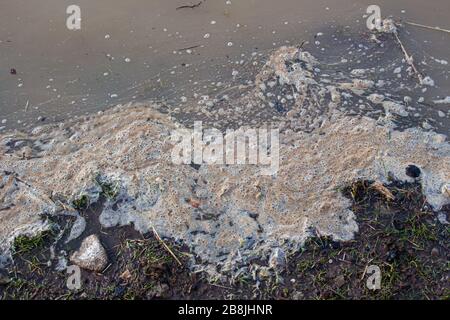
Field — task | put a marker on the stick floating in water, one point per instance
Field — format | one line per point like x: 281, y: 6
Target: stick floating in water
x: 427, y: 27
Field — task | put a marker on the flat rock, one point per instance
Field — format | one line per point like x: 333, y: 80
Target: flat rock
x: 91, y: 255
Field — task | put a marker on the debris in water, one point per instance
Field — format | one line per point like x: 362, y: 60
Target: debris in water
x: 190, y: 6
x: 446, y: 100
x: 427, y: 27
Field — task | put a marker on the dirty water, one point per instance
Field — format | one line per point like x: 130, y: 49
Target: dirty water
x: 139, y: 50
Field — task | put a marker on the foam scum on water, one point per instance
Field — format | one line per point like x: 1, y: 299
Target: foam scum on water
x: 227, y: 215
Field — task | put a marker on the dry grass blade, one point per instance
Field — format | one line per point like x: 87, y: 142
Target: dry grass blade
x: 166, y: 246
x: 409, y: 59
x: 378, y: 186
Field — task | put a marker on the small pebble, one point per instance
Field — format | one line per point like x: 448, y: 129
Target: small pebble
x: 435, y: 252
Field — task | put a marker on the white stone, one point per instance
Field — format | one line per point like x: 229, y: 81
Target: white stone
x: 91, y: 255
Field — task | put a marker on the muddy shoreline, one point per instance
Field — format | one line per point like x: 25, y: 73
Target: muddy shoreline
x: 402, y: 236
x: 356, y: 147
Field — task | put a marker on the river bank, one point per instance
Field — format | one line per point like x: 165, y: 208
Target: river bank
x: 356, y: 148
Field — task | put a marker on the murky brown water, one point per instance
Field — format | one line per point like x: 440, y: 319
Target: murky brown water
x: 136, y: 49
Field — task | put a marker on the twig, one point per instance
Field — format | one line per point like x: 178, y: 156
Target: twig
x: 65, y: 207
x: 427, y: 27
x: 188, y: 48
x: 190, y: 6
x: 409, y: 59
x: 300, y: 47
x: 165, y: 246
x: 104, y: 270
x: 365, y: 270
x: 220, y: 286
